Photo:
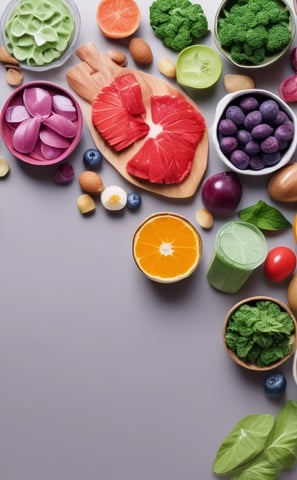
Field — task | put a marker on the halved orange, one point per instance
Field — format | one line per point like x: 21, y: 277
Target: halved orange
x: 118, y: 18
x: 295, y: 228
x: 167, y: 247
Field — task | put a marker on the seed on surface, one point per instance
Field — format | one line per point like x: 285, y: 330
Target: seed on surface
x: 117, y: 57
x: 86, y: 204
x: 236, y: 82
x: 14, y: 76
x: 4, y: 167
x: 90, y: 182
x: 204, y: 218
x: 167, y: 67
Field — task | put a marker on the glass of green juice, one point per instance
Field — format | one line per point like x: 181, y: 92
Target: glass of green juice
x: 240, y: 248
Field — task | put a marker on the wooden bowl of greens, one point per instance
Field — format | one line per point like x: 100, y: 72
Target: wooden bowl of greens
x: 252, y: 34
x: 260, y: 333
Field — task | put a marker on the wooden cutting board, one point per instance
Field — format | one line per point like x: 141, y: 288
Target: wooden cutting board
x: 97, y: 70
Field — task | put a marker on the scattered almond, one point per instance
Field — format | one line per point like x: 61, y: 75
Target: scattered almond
x: 14, y: 76
x: 90, y: 182
x: 117, y: 57
x: 205, y: 218
x: 167, y: 67
x: 236, y: 82
x: 86, y: 204
x: 140, y: 51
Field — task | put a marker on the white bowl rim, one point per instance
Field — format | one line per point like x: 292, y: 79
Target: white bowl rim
x: 294, y: 367
x: 219, y: 110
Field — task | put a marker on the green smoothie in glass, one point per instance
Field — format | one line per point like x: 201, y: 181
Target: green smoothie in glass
x: 240, y: 248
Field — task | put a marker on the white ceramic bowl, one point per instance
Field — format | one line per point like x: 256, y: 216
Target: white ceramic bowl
x: 65, y: 55
x: 234, y: 98
x: 269, y: 60
x: 294, y: 368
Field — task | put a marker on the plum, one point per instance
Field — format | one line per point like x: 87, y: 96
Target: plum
x: 221, y: 193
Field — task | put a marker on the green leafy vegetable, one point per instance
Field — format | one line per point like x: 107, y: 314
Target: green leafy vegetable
x: 260, y: 446
x: 281, y: 449
x: 260, y: 333
x: 264, y: 216
x: 245, y: 441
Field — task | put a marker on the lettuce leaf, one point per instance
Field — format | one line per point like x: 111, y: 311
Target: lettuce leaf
x: 281, y: 447
x: 244, y: 442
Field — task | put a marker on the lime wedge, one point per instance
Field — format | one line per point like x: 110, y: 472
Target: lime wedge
x: 198, y: 67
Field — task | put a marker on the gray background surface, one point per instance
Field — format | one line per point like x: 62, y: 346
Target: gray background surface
x: 104, y: 374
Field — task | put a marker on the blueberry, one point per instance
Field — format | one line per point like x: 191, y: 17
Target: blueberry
x: 133, y: 200
x: 92, y: 158
x: 275, y: 384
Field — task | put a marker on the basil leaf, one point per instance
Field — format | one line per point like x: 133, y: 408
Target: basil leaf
x: 264, y: 216
x: 261, y: 469
x: 244, y: 442
x: 281, y: 449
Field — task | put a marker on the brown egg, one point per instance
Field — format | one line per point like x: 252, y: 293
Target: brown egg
x: 140, y: 51
x: 282, y: 186
x: 292, y: 294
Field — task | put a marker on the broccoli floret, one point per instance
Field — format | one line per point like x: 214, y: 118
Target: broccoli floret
x: 257, y: 37
x: 279, y: 37
x: 178, y: 23
x: 254, y: 29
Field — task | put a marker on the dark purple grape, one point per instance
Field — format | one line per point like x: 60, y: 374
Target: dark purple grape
x: 249, y: 103
x: 252, y: 119
x: 280, y: 118
x: 243, y: 136
x: 256, y: 163
x: 234, y: 113
x: 252, y: 147
x: 221, y: 193
x: 269, y: 109
x: 228, y: 144
x: 270, y: 145
x: 262, y: 130
x: 240, y: 159
x: 227, y: 127
x: 271, y: 159
x: 285, y: 131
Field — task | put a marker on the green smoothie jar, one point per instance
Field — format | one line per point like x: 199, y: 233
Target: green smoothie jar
x: 240, y: 248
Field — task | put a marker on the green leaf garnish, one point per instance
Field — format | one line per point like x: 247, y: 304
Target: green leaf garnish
x: 264, y: 216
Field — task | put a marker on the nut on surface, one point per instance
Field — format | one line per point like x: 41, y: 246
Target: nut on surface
x: 117, y: 57
x: 204, y: 218
x: 236, y: 82
x: 86, y: 204
x: 90, y: 182
x: 167, y: 67
x: 140, y: 51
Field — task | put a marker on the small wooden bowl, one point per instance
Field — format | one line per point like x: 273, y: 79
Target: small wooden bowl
x: 252, y: 300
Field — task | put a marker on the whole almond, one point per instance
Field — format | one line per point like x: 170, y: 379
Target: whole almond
x: 140, y: 51
x: 90, y: 182
x: 117, y: 57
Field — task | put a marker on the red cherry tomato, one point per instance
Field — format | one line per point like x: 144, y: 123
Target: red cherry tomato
x: 279, y: 264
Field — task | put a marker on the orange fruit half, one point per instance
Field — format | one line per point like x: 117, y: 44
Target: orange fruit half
x: 167, y: 247
x: 295, y: 228
x: 118, y: 18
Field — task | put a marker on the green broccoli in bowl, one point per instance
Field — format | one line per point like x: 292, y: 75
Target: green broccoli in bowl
x: 253, y: 30
x: 177, y: 23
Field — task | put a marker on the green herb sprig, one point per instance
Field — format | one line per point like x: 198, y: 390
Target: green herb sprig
x: 264, y: 216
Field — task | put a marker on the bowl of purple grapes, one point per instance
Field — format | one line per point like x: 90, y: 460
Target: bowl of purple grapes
x: 254, y: 132
x: 41, y: 123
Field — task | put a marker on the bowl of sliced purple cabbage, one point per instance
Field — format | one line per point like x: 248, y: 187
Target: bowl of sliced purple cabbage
x: 41, y: 123
x: 254, y: 132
